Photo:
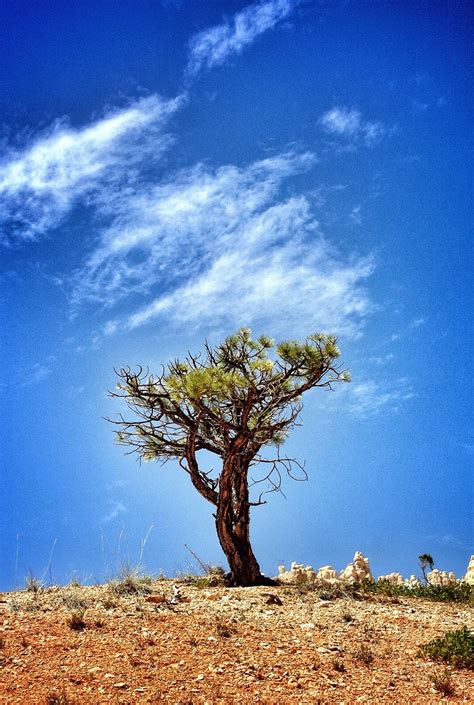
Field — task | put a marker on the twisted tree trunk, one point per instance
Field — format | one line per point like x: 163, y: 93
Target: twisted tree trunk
x: 233, y: 522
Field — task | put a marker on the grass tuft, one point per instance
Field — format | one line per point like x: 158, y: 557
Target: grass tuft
x: 443, y: 683
x: 76, y: 620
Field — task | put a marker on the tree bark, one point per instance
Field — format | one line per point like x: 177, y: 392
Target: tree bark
x: 233, y: 523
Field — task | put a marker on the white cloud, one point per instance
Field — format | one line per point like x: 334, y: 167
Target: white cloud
x: 171, y: 230
x: 41, y: 183
x: 417, y: 322
x: 37, y: 374
x: 348, y: 123
x: 116, y: 509
x: 214, y: 45
x: 224, y: 247
x: 370, y: 398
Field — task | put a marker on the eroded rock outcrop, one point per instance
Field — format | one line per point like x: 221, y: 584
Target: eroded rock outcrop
x: 357, y: 571
x: 441, y: 577
x: 469, y: 577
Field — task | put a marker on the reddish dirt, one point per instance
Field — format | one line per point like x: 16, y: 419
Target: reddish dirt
x: 222, y: 645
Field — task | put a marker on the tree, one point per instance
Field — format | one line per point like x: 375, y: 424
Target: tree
x: 232, y: 401
x: 426, y: 561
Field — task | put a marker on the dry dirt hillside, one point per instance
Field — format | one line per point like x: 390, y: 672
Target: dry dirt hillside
x: 111, y: 644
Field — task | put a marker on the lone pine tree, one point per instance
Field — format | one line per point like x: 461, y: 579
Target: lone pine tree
x: 233, y: 401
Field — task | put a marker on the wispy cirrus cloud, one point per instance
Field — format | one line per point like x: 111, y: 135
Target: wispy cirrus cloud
x: 370, y: 398
x: 214, y: 45
x: 225, y: 246
x: 171, y: 229
x: 348, y: 123
x: 116, y: 509
x: 41, y: 183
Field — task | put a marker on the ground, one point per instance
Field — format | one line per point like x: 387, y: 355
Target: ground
x: 82, y: 645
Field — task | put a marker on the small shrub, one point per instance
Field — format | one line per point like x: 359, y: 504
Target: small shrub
x: 130, y: 582
x: 338, y: 666
x: 364, y: 654
x: 224, y: 630
x: 75, y: 583
x: 347, y: 617
x: 456, y: 592
x: 455, y: 648
x: 76, y: 620
x: 56, y: 697
x: 74, y: 602
x: 32, y: 584
x: 443, y: 683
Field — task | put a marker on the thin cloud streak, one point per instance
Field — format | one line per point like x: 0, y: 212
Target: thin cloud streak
x: 173, y: 229
x: 348, y: 123
x: 224, y: 247
x: 40, y: 185
x: 214, y: 45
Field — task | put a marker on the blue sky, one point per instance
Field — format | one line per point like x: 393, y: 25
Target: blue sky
x: 173, y: 171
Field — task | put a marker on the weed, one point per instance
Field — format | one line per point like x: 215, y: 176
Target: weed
x: 338, y: 666
x: 455, y: 648
x: 443, y: 683
x: 74, y: 602
x: 364, y: 654
x: 347, y: 617
x: 109, y: 603
x: 75, y: 583
x: 56, y: 697
x: 130, y: 582
x: 224, y: 630
x: 32, y: 584
x: 76, y: 620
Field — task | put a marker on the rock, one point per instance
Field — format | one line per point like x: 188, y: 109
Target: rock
x: 441, y: 577
x: 272, y: 599
x: 392, y: 578
x: 357, y: 571
x: 155, y: 598
x: 469, y: 577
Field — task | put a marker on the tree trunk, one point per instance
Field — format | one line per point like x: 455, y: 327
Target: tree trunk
x: 233, y: 521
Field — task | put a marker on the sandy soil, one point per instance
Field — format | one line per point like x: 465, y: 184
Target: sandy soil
x: 222, y: 645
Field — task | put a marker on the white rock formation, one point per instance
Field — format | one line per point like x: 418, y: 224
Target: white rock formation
x: 469, y: 577
x: 326, y: 576
x: 357, y: 571
x: 441, y: 577
x: 297, y: 575
x: 412, y: 582
x: 392, y: 578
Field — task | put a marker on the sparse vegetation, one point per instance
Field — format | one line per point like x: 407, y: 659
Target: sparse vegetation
x: 347, y: 617
x: 76, y: 620
x: 33, y: 584
x: 455, y: 648
x: 130, y: 582
x: 364, y: 654
x: 58, y: 698
x: 443, y: 683
x: 456, y: 592
x: 223, y: 629
x: 74, y: 601
x: 338, y: 665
